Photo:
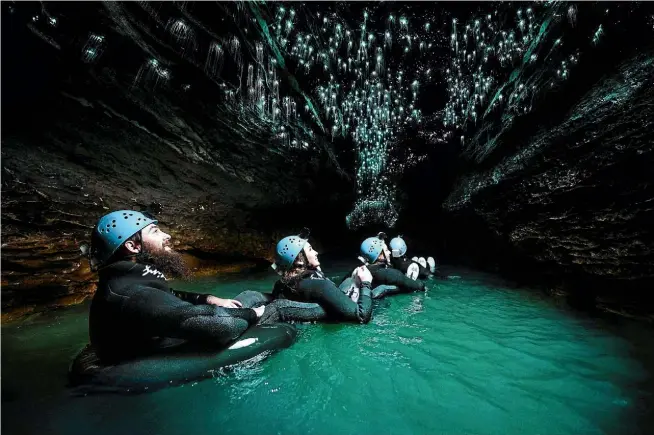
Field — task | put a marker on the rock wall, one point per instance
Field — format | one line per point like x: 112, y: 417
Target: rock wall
x: 81, y: 140
x: 572, y: 206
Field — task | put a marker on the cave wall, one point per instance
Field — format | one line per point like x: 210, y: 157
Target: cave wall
x: 572, y: 206
x: 561, y: 196
x: 81, y: 140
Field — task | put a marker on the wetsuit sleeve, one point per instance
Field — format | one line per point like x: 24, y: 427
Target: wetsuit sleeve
x: 251, y: 299
x: 335, y: 302
x: 390, y: 276
x: 194, y: 298
x: 162, y: 314
x: 294, y: 311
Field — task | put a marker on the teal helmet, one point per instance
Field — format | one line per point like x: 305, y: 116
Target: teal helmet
x: 398, y: 245
x: 371, y: 248
x: 113, y: 230
x: 288, y: 249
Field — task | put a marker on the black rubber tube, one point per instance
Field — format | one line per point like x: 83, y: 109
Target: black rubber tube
x: 184, y: 363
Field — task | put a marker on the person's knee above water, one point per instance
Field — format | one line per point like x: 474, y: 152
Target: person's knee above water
x: 134, y: 311
x: 303, y: 281
x: 375, y: 253
x: 399, y: 261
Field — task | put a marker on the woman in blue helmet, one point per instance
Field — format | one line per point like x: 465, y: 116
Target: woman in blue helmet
x: 400, y: 262
x: 145, y: 334
x: 302, y: 281
x: 386, y: 280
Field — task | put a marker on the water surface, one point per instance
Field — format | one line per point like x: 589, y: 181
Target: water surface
x: 472, y: 355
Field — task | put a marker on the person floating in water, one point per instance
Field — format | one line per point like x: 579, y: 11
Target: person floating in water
x: 400, y: 262
x: 303, y: 281
x: 425, y: 268
x: 385, y: 280
x: 134, y: 311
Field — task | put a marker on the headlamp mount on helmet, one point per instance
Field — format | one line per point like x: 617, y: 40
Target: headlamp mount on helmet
x: 305, y: 233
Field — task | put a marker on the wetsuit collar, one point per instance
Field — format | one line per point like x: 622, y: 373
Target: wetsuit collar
x: 130, y: 268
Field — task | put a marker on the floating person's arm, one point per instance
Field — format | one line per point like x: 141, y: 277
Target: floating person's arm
x: 294, y: 311
x: 335, y: 302
x: 251, y: 298
x: 199, y: 299
x: 194, y: 298
x: 162, y: 314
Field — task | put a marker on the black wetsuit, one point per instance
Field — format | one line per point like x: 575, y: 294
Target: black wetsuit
x: 390, y: 281
x: 134, y: 312
x: 313, y: 287
x: 402, y: 264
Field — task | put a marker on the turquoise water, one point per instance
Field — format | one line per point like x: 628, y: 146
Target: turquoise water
x: 471, y: 356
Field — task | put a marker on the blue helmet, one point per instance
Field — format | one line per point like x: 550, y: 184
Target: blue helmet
x: 398, y: 245
x: 113, y: 229
x: 371, y: 248
x: 287, y: 251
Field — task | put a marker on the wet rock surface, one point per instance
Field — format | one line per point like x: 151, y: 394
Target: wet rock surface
x: 562, y: 196
x: 110, y: 107
x: 573, y: 206
x: 80, y: 141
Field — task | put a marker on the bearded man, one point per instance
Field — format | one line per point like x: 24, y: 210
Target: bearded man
x: 134, y: 312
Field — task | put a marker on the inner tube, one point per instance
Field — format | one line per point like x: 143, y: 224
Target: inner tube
x: 178, y: 365
x: 383, y: 290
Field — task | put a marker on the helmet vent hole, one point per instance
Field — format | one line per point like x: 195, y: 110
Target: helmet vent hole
x: 114, y: 225
x: 138, y: 223
x: 113, y: 221
x: 126, y: 217
x: 120, y: 237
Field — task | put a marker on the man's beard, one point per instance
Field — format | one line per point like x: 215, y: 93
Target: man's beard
x: 168, y: 262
